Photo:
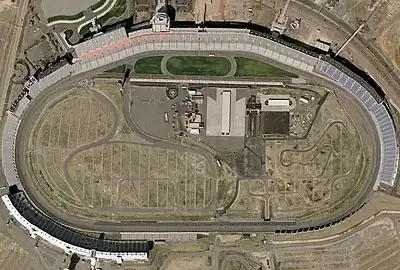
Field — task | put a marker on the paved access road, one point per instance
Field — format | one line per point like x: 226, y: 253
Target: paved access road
x: 11, y: 54
x: 369, y: 57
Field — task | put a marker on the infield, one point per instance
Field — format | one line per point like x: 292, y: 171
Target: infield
x: 86, y: 161
x: 148, y: 65
x: 247, y: 67
x: 198, y: 65
x: 306, y: 175
x: 119, y: 69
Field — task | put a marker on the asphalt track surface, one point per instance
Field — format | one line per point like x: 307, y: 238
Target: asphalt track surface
x: 357, y: 110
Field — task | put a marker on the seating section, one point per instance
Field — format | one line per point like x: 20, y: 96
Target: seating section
x: 373, y: 103
x: 71, y: 241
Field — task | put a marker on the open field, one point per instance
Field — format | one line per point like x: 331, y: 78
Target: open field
x: 198, y: 65
x: 127, y: 175
x: 302, y: 177
x: 374, y: 247
x: 189, y: 263
x: 74, y: 119
x: 15, y: 256
x: 80, y: 166
x: 149, y: 65
x: 208, y: 66
x: 247, y: 67
x: 314, y: 174
x: 382, y: 27
x: 61, y: 128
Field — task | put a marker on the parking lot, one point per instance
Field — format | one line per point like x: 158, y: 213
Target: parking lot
x: 149, y: 105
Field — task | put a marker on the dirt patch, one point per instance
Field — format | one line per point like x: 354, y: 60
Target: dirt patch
x: 121, y: 175
x: 222, y: 10
x: 77, y: 162
x: 4, y: 4
x: 189, y: 263
x: 382, y: 23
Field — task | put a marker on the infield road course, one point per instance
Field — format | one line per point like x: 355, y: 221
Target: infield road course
x: 358, y: 113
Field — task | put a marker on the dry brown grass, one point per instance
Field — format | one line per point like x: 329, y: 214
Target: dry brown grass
x: 130, y: 175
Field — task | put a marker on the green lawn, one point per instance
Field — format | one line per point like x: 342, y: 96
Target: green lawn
x: 198, y: 65
x: 148, y: 65
x: 65, y: 17
x: 117, y: 11
x: 119, y: 69
x: 247, y: 67
x: 86, y: 29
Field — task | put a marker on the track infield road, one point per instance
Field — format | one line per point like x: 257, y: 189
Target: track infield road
x: 189, y: 226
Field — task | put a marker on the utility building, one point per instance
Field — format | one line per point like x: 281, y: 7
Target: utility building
x: 225, y: 115
x: 278, y: 102
x: 226, y: 112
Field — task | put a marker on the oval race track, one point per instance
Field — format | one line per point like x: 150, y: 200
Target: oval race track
x: 117, y: 45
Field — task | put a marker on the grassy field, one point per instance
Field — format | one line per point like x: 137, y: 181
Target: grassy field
x: 198, y: 65
x: 117, y: 11
x: 85, y: 30
x: 127, y: 175
x: 247, y: 67
x: 119, y: 69
x: 149, y: 65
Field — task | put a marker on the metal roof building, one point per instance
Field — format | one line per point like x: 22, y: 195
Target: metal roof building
x: 225, y: 116
x: 226, y: 112
x: 278, y: 102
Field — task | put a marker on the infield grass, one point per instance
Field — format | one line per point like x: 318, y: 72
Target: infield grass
x: 85, y: 30
x: 119, y: 69
x: 247, y: 67
x: 149, y: 65
x: 198, y: 65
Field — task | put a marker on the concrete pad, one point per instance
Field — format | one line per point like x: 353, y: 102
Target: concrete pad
x: 53, y: 8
